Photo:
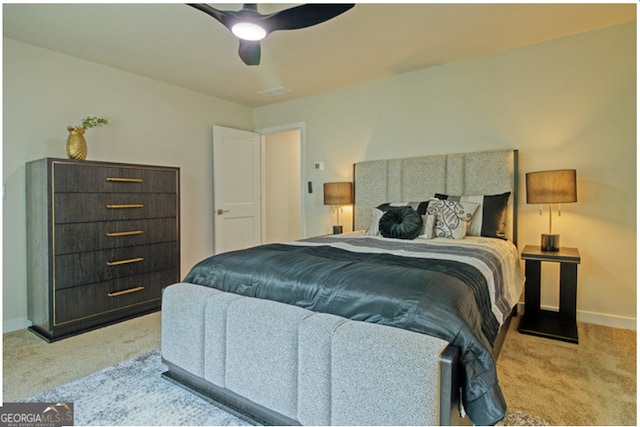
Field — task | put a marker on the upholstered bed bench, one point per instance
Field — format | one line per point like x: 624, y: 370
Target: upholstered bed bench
x: 297, y: 366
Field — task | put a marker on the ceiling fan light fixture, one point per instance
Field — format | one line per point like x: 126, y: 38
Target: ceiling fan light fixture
x: 249, y: 31
x: 251, y: 27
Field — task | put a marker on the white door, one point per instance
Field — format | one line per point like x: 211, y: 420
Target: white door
x: 236, y: 189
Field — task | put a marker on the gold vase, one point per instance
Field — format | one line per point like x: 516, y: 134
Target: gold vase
x: 76, y: 144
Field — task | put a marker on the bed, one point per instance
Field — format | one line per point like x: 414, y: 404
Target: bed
x: 400, y: 324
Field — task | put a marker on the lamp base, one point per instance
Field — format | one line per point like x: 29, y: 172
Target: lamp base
x: 337, y: 229
x: 550, y: 242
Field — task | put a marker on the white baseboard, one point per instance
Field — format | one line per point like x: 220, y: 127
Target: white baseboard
x: 607, y: 320
x: 601, y: 319
x: 15, y: 325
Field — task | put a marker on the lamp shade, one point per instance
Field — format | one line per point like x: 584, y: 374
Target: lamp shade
x: 557, y: 186
x: 338, y: 193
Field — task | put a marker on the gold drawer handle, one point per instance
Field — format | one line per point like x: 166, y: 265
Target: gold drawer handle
x: 135, y: 205
x: 124, y: 180
x: 126, y: 291
x: 124, y: 261
x: 124, y: 233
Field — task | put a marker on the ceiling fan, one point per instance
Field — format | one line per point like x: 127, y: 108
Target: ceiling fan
x: 250, y: 26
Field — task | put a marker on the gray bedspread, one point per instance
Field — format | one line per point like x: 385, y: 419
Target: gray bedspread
x: 438, y: 297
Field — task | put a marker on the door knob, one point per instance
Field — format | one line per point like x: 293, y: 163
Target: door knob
x: 220, y: 211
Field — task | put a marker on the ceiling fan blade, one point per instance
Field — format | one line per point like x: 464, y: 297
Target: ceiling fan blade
x: 224, y: 17
x: 249, y: 52
x: 303, y: 16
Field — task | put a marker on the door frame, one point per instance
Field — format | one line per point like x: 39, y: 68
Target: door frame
x: 278, y: 129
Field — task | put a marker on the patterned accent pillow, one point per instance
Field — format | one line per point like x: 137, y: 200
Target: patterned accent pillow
x: 490, y: 220
x: 448, y: 218
x: 401, y: 222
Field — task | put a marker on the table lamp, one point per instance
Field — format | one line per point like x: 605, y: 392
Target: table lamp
x: 556, y: 186
x: 338, y: 194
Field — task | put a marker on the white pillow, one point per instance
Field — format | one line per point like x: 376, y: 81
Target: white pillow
x: 376, y: 214
x: 448, y: 218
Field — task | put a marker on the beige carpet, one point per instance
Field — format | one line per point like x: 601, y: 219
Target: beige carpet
x: 592, y: 383
x: 31, y: 365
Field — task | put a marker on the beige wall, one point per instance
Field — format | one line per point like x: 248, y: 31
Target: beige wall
x: 568, y: 103
x: 152, y: 123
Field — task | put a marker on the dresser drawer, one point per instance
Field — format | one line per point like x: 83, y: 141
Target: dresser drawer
x: 99, y: 266
x: 91, y: 236
x: 99, y: 298
x: 88, y: 178
x: 91, y: 207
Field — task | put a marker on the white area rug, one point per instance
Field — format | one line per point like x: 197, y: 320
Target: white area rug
x: 133, y: 393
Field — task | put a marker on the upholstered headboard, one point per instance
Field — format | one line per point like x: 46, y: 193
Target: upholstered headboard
x: 420, y: 178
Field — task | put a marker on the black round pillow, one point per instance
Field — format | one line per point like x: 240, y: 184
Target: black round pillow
x: 400, y: 222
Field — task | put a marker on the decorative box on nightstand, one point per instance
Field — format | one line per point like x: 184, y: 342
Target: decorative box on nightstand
x: 560, y: 325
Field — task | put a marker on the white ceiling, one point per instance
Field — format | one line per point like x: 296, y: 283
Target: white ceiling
x: 177, y: 44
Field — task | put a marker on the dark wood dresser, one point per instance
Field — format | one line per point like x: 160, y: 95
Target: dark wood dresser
x: 103, y: 240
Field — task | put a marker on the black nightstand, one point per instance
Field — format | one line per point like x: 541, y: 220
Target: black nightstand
x: 559, y: 325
